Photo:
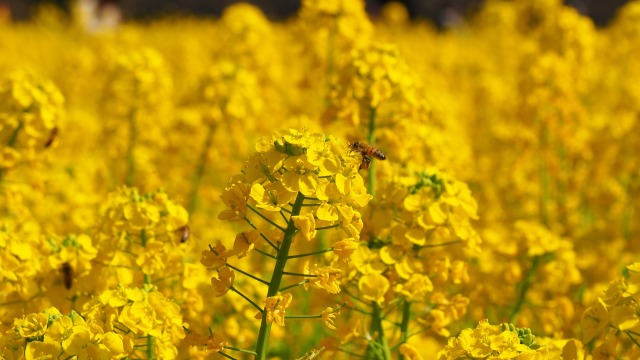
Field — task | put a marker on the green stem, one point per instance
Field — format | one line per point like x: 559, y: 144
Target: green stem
x: 372, y: 140
x: 246, y: 298
x: 261, y: 234
x: 294, y: 285
x: 632, y: 339
x: 352, y: 354
x: 404, y: 326
x: 14, y: 135
x: 166, y: 277
x: 318, y: 316
x: 330, y: 61
x: 11, y: 142
x: 311, y: 253
x: 240, y: 350
x: 247, y: 274
x: 544, y: 176
x: 378, y: 331
x: 276, y: 279
x: 197, y: 178
x: 131, y: 163
x: 524, y: 287
x: 150, y: 347
x: 355, y: 297
x: 328, y: 227
x: 226, y: 355
x: 353, y: 308
x: 147, y: 280
x: 266, y: 218
x: 264, y: 253
x: 298, y: 274
x: 442, y: 244
x: 426, y: 328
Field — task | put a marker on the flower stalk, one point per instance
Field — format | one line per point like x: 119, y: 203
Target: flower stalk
x: 131, y: 161
x: 404, y: 325
x: 202, y: 163
x: 276, y: 279
x: 379, y: 343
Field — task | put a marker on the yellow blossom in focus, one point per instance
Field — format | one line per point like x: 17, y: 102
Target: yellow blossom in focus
x: 224, y: 282
x: 275, y: 307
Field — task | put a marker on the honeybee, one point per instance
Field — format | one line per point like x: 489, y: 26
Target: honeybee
x: 186, y: 233
x: 67, y: 272
x: 52, y: 137
x: 368, y: 152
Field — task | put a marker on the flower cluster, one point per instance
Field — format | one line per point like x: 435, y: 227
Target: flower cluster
x: 115, y: 324
x: 413, y: 252
x: 311, y: 182
x: 612, y: 322
x: 49, y: 332
x: 374, y: 75
x: 138, y: 82
x: 140, y: 231
x: 30, y: 109
x: 492, y: 341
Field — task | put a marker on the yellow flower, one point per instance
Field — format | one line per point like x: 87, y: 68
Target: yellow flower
x: 368, y: 261
x: 33, y: 325
x: 235, y: 197
x: 300, y: 176
x: 216, y: 342
x: 328, y: 315
x: 272, y: 197
x: 244, y: 243
x: 438, y: 321
x: 275, y: 307
x: 224, y: 282
x: 215, y: 259
x: 121, y: 296
x: 73, y: 335
x: 326, y: 278
x: 323, y: 156
x: 306, y: 224
x: 114, y: 343
x: 409, y: 352
x: 140, y: 316
x: 345, y: 248
x: 152, y: 260
x: 41, y: 350
x: 415, y: 288
x: 373, y: 287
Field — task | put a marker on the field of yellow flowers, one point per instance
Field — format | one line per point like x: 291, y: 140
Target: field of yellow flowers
x: 330, y: 186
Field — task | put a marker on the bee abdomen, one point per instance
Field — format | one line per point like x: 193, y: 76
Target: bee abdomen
x: 67, y: 271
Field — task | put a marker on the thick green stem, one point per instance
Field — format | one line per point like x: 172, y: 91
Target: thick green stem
x: 372, y: 141
x: 404, y: 325
x: 380, y: 340
x: 276, y: 279
x: 131, y: 161
x: 202, y: 163
x: 150, y: 354
x: 524, y: 287
x: 147, y: 280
